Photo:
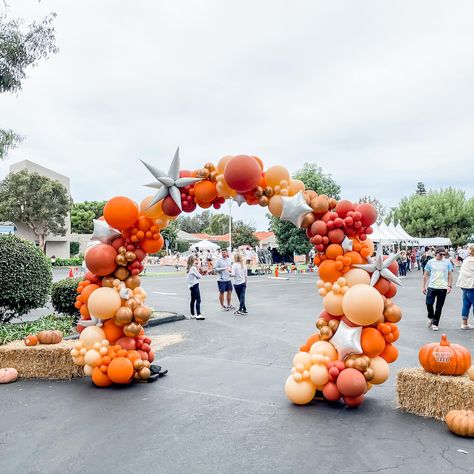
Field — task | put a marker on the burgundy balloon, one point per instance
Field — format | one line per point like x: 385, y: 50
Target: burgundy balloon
x: 169, y: 207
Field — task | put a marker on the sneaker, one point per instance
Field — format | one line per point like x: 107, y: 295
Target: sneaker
x: 467, y: 326
x: 429, y: 323
x: 200, y: 317
x: 230, y: 307
x: 193, y: 316
x: 435, y: 328
x: 245, y: 312
x: 224, y: 308
x: 238, y: 313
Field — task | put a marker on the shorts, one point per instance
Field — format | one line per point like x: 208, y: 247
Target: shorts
x: 224, y: 286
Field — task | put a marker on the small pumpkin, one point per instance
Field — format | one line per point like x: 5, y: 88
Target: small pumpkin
x: 470, y: 373
x: 8, y: 375
x: 31, y: 340
x: 461, y: 422
x: 444, y: 358
x: 50, y: 337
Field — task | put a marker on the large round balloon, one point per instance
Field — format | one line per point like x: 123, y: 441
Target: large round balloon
x: 357, y: 276
x: 222, y: 163
x: 369, y: 213
x: 363, y: 305
x: 275, y: 206
x: 121, y: 212
x: 328, y: 271
x: 299, y: 393
x: 242, y: 173
x: 276, y: 174
x: 152, y: 245
x: 205, y: 191
x: 351, y: 383
x: 104, y: 302
x: 153, y: 212
x: 120, y: 370
x: 100, y: 259
x: 372, y: 342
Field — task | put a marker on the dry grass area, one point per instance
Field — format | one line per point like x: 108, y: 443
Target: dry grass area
x: 432, y: 395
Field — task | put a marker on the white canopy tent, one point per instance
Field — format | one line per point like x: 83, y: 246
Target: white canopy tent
x: 391, y: 234
x: 205, y: 245
x: 435, y: 242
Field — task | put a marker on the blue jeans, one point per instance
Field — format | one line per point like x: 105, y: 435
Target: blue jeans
x: 240, y: 290
x: 195, y: 299
x: 467, y: 302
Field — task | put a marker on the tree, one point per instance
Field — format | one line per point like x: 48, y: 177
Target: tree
x: 243, y: 234
x: 219, y: 225
x: 83, y: 214
x: 443, y: 213
x: 291, y: 239
x: 381, y: 209
x: 420, y: 188
x: 21, y: 48
x: 39, y: 202
x: 195, y: 224
x: 171, y: 234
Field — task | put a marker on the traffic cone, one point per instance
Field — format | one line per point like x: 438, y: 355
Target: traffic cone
x: 71, y: 274
x: 276, y: 271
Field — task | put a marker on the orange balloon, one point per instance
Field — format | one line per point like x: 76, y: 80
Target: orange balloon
x: 120, y: 370
x: 370, y: 245
x: 99, y: 378
x: 372, y: 341
x: 295, y: 186
x: 121, y: 212
x: 85, y: 312
x: 153, y: 212
x: 390, y: 353
x: 112, y: 331
x: 222, y: 162
x: 205, y: 191
x: 355, y: 257
x: 328, y: 271
x: 152, y: 245
x: 275, y: 206
x: 143, y: 224
x: 275, y: 174
x: 204, y: 205
x: 86, y: 292
x: 133, y: 355
x: 100, y: 259
x: 333, y: 251
x: 161, y: 223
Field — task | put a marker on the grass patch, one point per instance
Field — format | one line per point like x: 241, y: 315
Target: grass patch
x: 12, y: 332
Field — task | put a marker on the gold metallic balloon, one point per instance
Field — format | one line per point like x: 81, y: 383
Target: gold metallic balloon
x: 133, y: 282
x: 333, y: 324
x: 268, y: 191
x: 132, y: 303
x: 369, y: 374
x: 203, y: 173
x: 138, y: 364
x: 361, y: 364
x: 108, y: 281
x: 308, y: 219
x: 142, y: 314
x: 122, y: 273
x: 144, y: 373
x: 321, y: 322
x: 258, y: 192
x: 122, y: 250
x: 130, y: 256
x: 210, y: 166
x: 136, y: 376
x: 213, y: 176
x: 146, y: 363
x: 124, y: 315
x: 326, y: 333
x: 121, y: 260
x: 132, y: 329
x: 263, y: 201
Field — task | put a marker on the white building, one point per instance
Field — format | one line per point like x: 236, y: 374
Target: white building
x: 56, y: 245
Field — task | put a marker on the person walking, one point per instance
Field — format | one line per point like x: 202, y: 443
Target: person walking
x: 239, y: 273
x: 426, y: 257
x: 223, y: 266
x: 193, y: 276
x: 437, y: 284
x: 403, y: 264
x: 466, y: 283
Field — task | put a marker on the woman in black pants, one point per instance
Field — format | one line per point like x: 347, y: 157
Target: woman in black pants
x: 193, y: 277
x: 239, y: 272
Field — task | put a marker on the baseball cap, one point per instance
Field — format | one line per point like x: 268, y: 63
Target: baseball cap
x: 440, y: 250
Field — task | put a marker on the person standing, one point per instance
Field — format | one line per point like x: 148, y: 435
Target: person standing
x: 223, y: 266
x: 193, y: 277
x: 437, y: 284
x: 466, y: 283
x: 239, y: 273
x: 403, y: 264
x: 418, y: 258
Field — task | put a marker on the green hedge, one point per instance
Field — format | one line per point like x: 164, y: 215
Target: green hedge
x: 63, y: 296
x: 25, y: 277
x: 68, y: 262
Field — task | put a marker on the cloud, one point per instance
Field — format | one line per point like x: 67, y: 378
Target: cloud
x: 377, y: 93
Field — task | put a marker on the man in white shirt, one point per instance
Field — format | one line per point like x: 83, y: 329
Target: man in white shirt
x: 223, y: 266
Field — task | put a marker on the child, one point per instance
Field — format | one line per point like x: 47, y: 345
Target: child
x: 193, y: 277
x: 239, y: 272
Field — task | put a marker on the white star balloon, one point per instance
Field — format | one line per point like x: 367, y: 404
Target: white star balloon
x: 294, y: 208
x: 379, y: 267
x: 169, y: 184
x: 239, y: 199
x: 347, y: 244
x: 346, y: 340
x: 103, y: 232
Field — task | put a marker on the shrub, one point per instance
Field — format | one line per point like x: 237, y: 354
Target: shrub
x: 25, y: 277
x: 68, y: 262
x: 63, y: 296
x: 73, y: 248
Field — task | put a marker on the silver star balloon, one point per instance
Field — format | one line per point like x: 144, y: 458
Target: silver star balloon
x: 347, y: 244
x: 103, y: 232
x: 239, y: 199
x: 169, y: 184
x: 346, y: 340
x: 379, y: 267
x: 294, y: 208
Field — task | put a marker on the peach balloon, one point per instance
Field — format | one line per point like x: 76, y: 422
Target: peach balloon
x: 300, y: 393
x: 275, y: 206
x: 370, y: 246
x: 302, y: 358
x: 362, y: 304
x: 319, y: 375
x: 357, y: 276
x: 381, y: 370
x: 295, y: 186
x: 90, y: 335
x: 324, y: 348
x: 103, y: 303
x: 332, y: 303
x: 153, y: 212
x: 222, y: 162
x: 275, y: 174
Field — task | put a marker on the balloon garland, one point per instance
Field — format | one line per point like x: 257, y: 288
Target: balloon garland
x: 356, y: 330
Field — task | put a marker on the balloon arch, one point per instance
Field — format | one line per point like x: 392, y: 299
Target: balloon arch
x: 353, y: 345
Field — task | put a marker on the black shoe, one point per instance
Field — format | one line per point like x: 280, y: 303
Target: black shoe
x: 156, y: 370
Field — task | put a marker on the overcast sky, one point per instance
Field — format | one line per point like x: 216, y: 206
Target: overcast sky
x: 380, y: 94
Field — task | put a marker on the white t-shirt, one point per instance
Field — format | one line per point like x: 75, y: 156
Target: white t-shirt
x: 239, y: 273
x: 193, y: 276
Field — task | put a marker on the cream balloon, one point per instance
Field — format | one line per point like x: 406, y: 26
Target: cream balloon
x: 381, y: 370
x: 275, y: 206
x: 300, y: 393
x: 332, y: 303
x: 88, y: 370
x: 324, y: 348
x: 319, y: 375
x: 91, y: 357
x: 103, y: 303
x: 302, y: 358
x: 362, y: 304
x: 90, y: 335
x: 357, y: 276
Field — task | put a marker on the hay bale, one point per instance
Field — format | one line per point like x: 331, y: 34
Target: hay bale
x: 432, y: 395
x: 44, y: 361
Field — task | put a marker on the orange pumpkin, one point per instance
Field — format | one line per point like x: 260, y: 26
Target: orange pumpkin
x: 461, y: 422
x: 445, y: 358
x: 50, y: 337
x: 31, y: 340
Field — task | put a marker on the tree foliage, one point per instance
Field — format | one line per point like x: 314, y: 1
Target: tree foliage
x: 21, y: 48
x: 420, y: 188
x: 443, y: 213
x: 171, y: 234
x: 218, y: 225
x: 291, y: 239
x: 83, y: 214
x: 243, y: 234
x: 196, y: 223
x: 37, y: 201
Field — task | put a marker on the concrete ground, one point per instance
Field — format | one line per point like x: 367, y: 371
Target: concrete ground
x: 222, y: 408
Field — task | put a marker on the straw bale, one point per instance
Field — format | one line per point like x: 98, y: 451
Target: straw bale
x: 431, y: 395
x: 43, y: 361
